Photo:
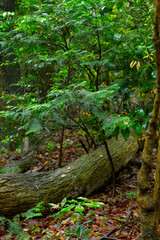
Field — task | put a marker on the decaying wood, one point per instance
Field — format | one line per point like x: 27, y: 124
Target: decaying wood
x: 19, y: 192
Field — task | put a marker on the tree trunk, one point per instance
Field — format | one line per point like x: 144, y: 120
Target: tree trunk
x: 12, y: 73
x: 9, y: 5
x: 19, y: 192
x: 149, y: 202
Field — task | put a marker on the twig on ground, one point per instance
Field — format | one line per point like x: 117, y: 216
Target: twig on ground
x: 127, y: 220
x: 106, y: 236
x: 61, y: 147
x: 110, y: 238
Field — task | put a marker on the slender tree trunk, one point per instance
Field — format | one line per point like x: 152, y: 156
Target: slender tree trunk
x: 61, y: 147
x: 9, y: 5
x: 68, y: 76
x: 148, y: 202
x: 11, y: 73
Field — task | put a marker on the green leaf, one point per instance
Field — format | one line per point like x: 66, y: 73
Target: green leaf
x: 68, y: 209
x: 140, y: 112
x: 106, y: 9
x: 64, y: 200
x: 89, y: 221
x: 85, y: 237
x: 59, y: 215
x: 89, y: 214
x: 73, y: 218
x: 34, y: 212
x: 79, y: 208
x: 84, y: 199
x: 119, y: 5
x: 116, y: 132
x: 94, y: 204
x: 125, y: 133
x: 137, y: 128
x: 73, y: 201
x: 80, y: 230
x: 117, y: 36
x: 34, y: 126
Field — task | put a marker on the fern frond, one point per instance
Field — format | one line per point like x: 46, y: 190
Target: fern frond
x: 34, y: 212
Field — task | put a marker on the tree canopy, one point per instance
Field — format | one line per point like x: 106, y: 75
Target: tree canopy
x: 67, y: 51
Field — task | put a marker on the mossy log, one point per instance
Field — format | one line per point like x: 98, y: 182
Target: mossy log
x: 19, y: 192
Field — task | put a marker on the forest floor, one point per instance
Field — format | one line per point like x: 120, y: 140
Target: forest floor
x: 117, y: 219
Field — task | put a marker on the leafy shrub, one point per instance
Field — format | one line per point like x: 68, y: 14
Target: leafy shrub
x: 73, y: 212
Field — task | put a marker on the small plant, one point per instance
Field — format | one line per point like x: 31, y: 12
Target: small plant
x: 34, y: 212
x: 4, y: 150
x: 14, y: 228
x: 131, y: 194
x: 50, y: 145
x: 74, y: 212
x: 35, y: 229
x: 7, y: 139
x: 10, y: 170
x: 18, y: 149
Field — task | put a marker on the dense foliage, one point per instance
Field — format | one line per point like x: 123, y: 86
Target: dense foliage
x: 87, y: 63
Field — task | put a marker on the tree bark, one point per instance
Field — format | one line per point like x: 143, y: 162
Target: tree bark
x: 19, y: 192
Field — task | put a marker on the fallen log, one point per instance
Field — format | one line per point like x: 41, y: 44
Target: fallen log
x: 19, y: 192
